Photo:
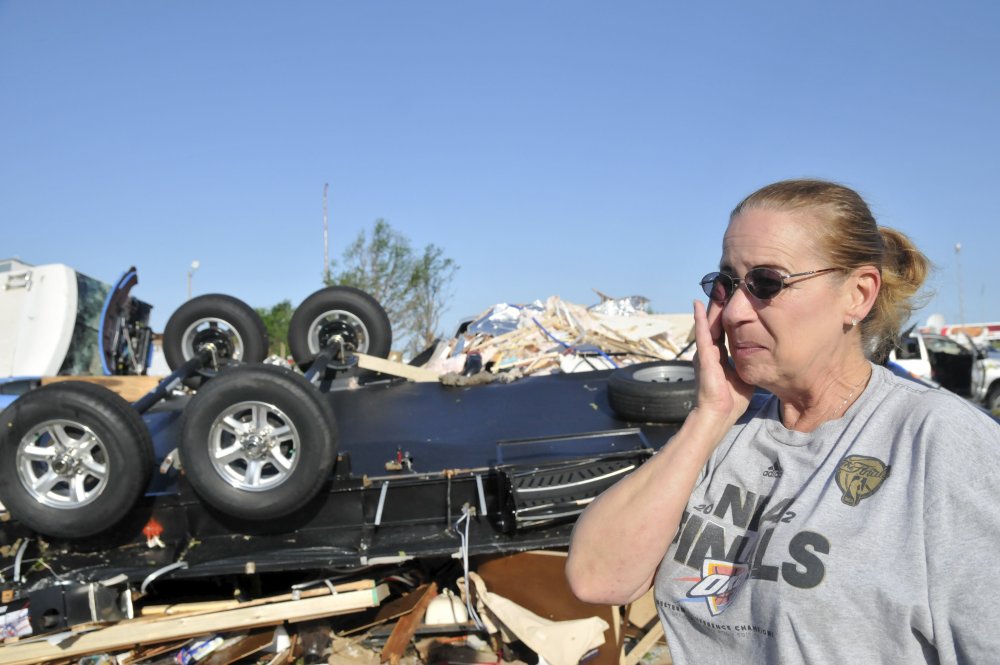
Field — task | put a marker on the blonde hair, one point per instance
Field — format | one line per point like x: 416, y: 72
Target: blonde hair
x: 848, y: 234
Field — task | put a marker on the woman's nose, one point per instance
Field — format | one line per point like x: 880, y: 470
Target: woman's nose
x: 739, y: 307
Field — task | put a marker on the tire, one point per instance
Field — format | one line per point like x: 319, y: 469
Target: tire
x: 74, y: 459
x: 231, y: 454
x: 235, y: 329
x: 339, y: 311
x: 993, y: 400
x: 656, y: 392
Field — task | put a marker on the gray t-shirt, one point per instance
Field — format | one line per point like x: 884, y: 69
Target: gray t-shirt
x: 869, y: 540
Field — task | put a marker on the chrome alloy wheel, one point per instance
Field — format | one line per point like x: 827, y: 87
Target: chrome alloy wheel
x: 218, y: 332
x: 62, y: 464
x: 338, y: 325
x: 664, y: 374
x: 253, y: 446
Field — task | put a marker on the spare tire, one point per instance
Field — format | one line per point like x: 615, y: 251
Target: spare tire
x: 339, y: 314
x: 655, y: 392
x: 228, y: 324
x: 258, y: 442
x: 74, y: 459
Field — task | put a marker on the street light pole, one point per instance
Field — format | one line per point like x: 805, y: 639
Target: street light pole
x: 326, y: 242
x: 194, y: 266
x: 958, y: 267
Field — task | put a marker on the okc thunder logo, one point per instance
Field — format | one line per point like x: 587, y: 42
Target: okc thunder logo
x: 718, y: 584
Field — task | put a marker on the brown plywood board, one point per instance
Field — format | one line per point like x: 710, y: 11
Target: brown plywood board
x: 537, y: 582
x: 124, y: 635
x: 406, y: 627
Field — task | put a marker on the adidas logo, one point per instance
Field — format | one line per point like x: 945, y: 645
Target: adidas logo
x: 773, y: 471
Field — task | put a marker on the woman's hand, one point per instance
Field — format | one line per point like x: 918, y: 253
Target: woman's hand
x: 623, y: 535
x: 721, y: 391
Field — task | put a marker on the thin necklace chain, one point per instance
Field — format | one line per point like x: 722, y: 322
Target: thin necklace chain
x: 840, y: 410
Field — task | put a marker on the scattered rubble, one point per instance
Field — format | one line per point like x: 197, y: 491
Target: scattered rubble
x: 519, y: 610
x: 557, y: 336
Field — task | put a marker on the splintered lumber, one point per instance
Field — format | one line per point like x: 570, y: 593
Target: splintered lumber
x: 146, y: 653
x: 647, y: 642
x: 567, y: 328
x: 394, y: 609
x: 244, y: 646
x: 219, y: 605
x: 406, y: 627
x: 124, y: 635
x: 642, y: 614
x: 642, y: 611
x: 288, y: 655
x: 418, y: 374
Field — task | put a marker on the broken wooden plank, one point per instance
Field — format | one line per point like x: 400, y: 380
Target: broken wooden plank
x: 124, y: 635
x: 418, y: 374
x: 288, y: 655
x: 394, y: 609
x: 642, y: 647
x: 642, y: 611
x: 405, y: 628
x: 642, y: 614
x: 145, y: 653
x: 219, y: 605
x: 199, y: 607
x: 243, y: 647
x: 537, y: 582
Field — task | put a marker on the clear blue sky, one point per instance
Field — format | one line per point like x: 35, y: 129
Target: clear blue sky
x: 548, y: 147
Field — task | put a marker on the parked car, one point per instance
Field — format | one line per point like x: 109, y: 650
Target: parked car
x: 958, y: 365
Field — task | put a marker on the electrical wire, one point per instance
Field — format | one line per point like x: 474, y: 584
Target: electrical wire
x: 465, y: 567
x: 18, y: 558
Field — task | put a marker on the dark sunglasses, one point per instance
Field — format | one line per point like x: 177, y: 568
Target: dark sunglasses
x: 762, y: 283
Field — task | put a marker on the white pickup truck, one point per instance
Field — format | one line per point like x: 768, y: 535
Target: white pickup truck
x: 959, y: 366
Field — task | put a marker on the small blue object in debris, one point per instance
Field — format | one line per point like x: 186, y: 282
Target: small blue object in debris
x: 197, y: 651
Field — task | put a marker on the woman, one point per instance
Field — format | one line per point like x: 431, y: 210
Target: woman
x: 852, y: 516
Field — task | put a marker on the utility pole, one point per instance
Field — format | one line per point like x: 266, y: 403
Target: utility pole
x: 326, y: 242
x: 194, y: 266
x: 958, y: 266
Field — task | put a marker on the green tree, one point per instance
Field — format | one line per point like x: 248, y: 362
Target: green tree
x: 411, y: 287
x: 432, y: 273
x: 276, y: 320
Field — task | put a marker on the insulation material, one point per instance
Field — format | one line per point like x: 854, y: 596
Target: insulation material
x: 557, y: 336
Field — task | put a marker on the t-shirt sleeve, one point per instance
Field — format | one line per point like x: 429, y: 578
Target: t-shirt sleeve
x: 962, y: 531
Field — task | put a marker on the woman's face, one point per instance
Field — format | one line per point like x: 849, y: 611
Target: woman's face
x: 792, y: 341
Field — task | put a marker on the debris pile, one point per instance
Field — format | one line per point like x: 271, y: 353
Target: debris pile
x: 557, y: 336
x: 513, y: 608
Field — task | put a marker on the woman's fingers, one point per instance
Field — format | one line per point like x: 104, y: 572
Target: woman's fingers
x: 714, y: 316
x: 711, y: 356
x: 708, y: 331
x: 702, y: 329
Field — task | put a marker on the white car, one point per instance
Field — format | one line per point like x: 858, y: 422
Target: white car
x: 963, y: 368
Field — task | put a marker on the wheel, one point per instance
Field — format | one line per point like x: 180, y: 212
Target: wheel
x: 993, y: 400
x: 258, y: 442
x: 231, y: 326
x: 74, y: 459
x: 339, y: 314
x: 655, y: 392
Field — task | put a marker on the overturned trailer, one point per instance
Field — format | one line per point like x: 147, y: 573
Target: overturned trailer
x: 268, y: 470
